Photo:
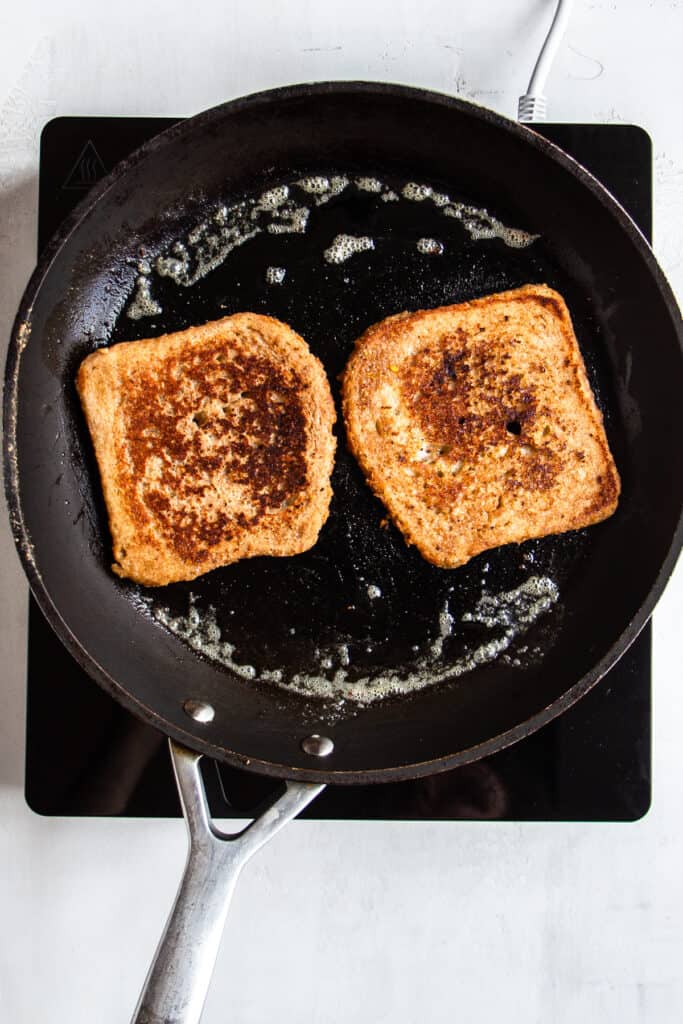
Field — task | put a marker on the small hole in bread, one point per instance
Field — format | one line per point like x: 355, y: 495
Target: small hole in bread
x: 514, y: 427
x: 201, y: 418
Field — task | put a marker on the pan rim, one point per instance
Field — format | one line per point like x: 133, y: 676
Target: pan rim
x: 23, y: 540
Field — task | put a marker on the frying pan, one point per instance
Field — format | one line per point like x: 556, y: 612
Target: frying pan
x: 253, y: 664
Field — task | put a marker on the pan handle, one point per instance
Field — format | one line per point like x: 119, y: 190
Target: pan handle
x: 178, y: 981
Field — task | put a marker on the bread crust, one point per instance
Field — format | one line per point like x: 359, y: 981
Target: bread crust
x: 476, y: 425
x: 214, y: 444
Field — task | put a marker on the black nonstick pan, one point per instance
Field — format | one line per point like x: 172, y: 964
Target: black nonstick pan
x: 358, y: 661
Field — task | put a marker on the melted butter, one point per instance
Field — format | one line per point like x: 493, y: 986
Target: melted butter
x: 446, y: 621
x: 291, y: 219
x: 273, y: 198
x: 369, y: 184
x: 275, y: 275
x: 227, y: 228
x: 317, y: 185
x: 323, y: 188
x: 345, y: 246
x: 510, y: 613
x: 143, y: 303
x: 429, y: 246
x: 416, y: 193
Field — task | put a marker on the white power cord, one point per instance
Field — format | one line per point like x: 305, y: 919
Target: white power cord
x: 532, y: 105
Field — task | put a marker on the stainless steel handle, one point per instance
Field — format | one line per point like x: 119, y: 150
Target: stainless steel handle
x: 178, y: 981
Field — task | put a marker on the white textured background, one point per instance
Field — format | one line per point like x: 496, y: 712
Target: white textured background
x: 344, y: 922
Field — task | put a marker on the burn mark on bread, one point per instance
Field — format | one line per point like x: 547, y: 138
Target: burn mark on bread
x: 466, y: 401
x: 238, y: 416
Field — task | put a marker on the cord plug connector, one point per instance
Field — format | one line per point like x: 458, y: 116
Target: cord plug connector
x: 532, y: 105
x: 531, y: 108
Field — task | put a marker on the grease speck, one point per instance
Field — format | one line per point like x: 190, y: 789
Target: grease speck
x: 143, y: 302
x: 446, y: 621
x: 275, y: 275
x: 345, y: 246
x: 429, y: 246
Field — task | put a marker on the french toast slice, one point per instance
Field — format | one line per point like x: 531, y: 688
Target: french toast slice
x: 213, y: 444
x: 476, y: 425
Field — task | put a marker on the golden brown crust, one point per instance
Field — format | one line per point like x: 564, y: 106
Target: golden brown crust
x: 214, y: 444
x: 476, y: 426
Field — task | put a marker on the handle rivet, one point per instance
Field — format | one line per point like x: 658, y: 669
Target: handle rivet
x: 317, y: 746
x: 199, y: 710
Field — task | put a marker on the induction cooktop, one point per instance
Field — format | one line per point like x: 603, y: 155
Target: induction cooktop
x: 591, y: 764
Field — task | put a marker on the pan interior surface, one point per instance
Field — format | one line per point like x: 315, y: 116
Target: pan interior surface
x: 403, y: 664
x: 360, y: 616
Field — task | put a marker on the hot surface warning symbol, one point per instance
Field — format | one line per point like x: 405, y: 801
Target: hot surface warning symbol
x: 87, y: 170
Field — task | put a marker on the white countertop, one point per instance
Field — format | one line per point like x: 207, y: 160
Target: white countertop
x: 338, y: 922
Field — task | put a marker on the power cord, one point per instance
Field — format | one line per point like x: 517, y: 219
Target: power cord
x: 532, y: 105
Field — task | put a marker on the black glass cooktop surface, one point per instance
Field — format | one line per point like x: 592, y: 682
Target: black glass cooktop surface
x: 591, y: 764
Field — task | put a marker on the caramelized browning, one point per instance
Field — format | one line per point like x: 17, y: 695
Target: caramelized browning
x: 476, y: 425
x: 214, y: 425
x: 214, y: 444
x: 467, y: 401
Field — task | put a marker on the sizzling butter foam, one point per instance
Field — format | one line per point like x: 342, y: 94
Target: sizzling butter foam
x: 285, y: 210
x: 507, y: 615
